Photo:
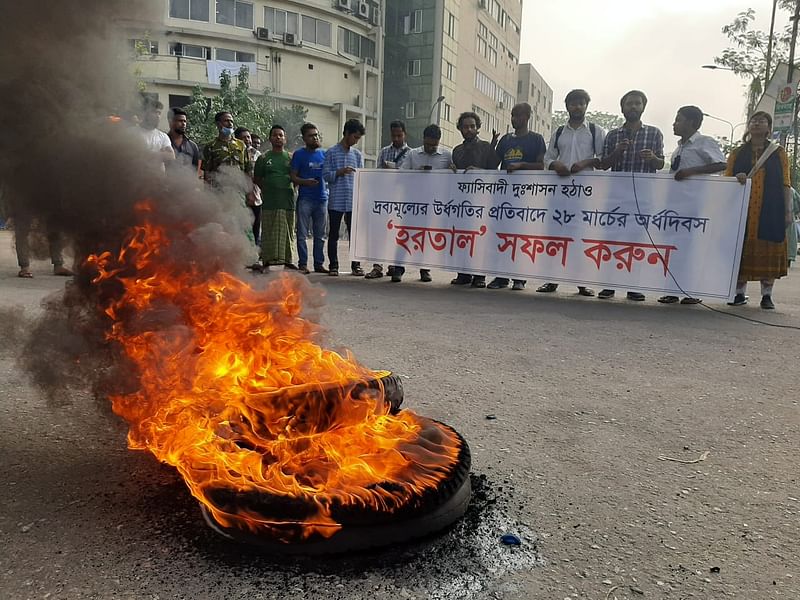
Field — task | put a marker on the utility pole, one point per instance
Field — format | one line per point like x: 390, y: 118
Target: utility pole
x: 795, y: 21
x: 770, y: 44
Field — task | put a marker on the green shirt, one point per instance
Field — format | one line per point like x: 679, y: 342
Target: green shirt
x: 233, y: 153
x: 272, y: 174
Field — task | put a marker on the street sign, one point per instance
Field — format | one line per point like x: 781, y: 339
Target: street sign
x: 784, y: 109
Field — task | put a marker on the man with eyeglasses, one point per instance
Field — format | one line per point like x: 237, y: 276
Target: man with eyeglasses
x: 696, y: 154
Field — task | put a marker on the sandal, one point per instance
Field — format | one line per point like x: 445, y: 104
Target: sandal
x: 357, y: 272
x: 669, y: 300
x: 547, y: 288
x: 62, y: 271
x: 690, y: 300
x: 376, y: 273
x: 25, y: 273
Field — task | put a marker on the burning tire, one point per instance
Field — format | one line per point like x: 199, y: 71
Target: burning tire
x: 361, y: 527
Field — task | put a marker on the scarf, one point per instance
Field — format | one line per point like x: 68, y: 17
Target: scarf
x: 771, y: 223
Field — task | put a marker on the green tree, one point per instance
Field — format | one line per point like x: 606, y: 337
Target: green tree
x: 255, y: 113
x: 291, y: 118
x: 605, y: 120
x: 748, y: 50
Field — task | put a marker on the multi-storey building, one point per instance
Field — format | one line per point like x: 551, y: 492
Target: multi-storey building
x: 326, y: 55
x: 444, y: 57
x: 533, y: 89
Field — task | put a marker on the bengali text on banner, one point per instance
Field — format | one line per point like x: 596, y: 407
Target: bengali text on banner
x: 638, y: 232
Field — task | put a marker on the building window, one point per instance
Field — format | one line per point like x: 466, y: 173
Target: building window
x: 196, y: 10
x: 178, y: 101
x: 450, y: 24
x: 234, y: 55
x: 317, y: 31
x: 411, y: 110
x: 487, y: 86
x: 414, y: 68
x: 412, y: 23
x: 190, y: 50
x: 449, y: 70
x: 280, y: 22
x: 487, y: 44
x: 235, y: 12
x: 447, y: 113
x: 357, y: 45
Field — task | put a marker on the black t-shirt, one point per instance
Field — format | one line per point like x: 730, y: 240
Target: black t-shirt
x: 527, y: 148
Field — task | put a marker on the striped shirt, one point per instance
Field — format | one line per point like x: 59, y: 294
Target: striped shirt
x: 340, y: 189
x: 646, y: 137
x: 390, y: 153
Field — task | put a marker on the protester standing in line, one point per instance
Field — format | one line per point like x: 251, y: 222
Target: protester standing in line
x: 522, y: 150
x: 23, y: 219
x: 187, y: 153
x: 472, y: 153
x: 764, y: 254
x: 156, y: 140
x: 253, y: 197
x: 224, y: 152
x: 273, y: 175
x: 312, y: 198
x: 633, y: 148
x: 341, y: 163
x: 574, y: 147
x: 696, y: 154
x: 389, y: 158
x: 428, y: 157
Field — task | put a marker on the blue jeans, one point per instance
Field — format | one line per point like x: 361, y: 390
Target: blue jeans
x: 314, y: 213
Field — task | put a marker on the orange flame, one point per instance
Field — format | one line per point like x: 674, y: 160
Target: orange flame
x: 234, y: 393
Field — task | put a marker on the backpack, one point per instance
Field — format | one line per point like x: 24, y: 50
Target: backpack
x: 592, y: 129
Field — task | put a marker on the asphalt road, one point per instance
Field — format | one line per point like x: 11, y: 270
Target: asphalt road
x: 587, y: 394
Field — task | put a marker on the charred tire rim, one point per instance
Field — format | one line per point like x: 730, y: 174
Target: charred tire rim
x: 431, y: 511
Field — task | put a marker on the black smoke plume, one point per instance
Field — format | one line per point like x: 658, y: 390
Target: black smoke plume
x: 65, y: 69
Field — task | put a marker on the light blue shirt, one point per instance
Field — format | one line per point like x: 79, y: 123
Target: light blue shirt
x: 340, y: 189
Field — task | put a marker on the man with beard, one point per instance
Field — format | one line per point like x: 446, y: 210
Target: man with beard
x: 312, y: 198
x: 522, y: 150
x: 696, y: 154
x: 472, y: 153
x: 633, y: 148
x: 186, y: 151
x: 574, y: 147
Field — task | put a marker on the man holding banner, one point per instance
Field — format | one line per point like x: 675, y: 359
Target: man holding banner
x: 522, y: 150
x: 472, y: 153
x: 696, y: 154
x: 574, y: 147
x: 633, y: 148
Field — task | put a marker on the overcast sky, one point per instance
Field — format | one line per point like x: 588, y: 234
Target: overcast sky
x: 657, y: 46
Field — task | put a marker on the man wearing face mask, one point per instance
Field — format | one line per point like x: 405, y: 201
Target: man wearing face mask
x: 186, y: 151
x: 224, y: 151
x: 633, y: 148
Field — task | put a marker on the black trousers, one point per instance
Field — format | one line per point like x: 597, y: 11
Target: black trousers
x: 256, y: 224
x: 334, y: 225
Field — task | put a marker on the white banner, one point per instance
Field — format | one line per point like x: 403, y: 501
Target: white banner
x: 634, y: 232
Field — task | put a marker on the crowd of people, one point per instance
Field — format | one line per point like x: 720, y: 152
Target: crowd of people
x: 309, y: 193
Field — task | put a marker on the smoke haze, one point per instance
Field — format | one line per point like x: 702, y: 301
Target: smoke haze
x: 65, y: 70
